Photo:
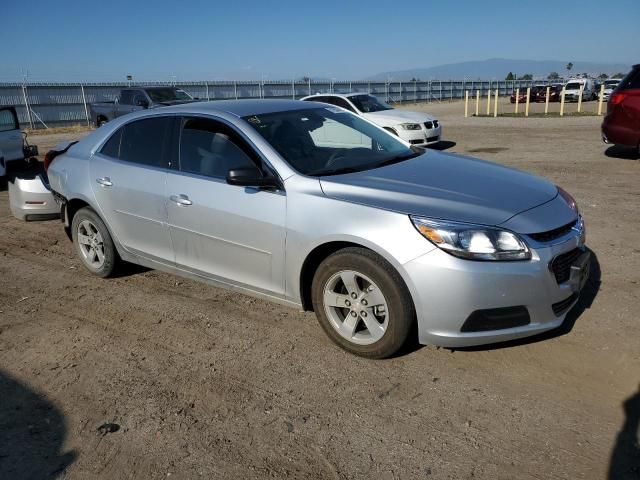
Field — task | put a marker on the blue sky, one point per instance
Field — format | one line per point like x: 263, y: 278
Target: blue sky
x: 219, y: 40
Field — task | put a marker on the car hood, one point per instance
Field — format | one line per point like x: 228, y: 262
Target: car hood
x: 445, y: 186
x: 396, y: 116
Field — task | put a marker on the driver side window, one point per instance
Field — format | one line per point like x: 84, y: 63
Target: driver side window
x: 211, y: 148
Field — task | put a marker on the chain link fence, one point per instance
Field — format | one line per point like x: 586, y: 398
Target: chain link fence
x: 53, y: 104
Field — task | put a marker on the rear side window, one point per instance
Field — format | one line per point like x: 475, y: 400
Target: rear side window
x: 211, y: 148
x: 341, y: 102
x: 144, y: 142
x: 632, y: 80
x: 8, y: 120
x: 126, y: 97
x: 112, y: 147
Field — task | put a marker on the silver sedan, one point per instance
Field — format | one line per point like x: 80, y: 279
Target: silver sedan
x: 314, y: 207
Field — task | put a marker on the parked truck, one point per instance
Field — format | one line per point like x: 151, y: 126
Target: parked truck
x: 134, y: 99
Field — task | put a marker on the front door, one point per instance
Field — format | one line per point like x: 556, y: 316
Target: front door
x: 228, y: 233
x: 128, y: 177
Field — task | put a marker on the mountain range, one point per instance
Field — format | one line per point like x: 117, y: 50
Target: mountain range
x: 499, y: 68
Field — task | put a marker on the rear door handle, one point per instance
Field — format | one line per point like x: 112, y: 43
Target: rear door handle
x: 104, y: 181
x: 181, y: 200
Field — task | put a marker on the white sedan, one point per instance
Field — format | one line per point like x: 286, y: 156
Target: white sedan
x: 417, y: 128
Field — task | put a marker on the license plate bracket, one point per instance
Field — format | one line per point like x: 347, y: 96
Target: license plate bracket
x: 580, y: 270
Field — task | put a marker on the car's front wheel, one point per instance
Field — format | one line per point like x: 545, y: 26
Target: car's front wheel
x: 93, y: 243
x: 362, y: 303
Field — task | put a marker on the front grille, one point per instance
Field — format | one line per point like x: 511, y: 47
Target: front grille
x: 550, y: 235
x: 435, y: 123
x: 561, y: 265
x: 432, y: 139
x: 561, y: 307
x: 428, y: 125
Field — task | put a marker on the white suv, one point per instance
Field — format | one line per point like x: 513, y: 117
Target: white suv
x: 416, y: 128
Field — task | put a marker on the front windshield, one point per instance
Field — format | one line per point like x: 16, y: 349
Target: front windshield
x: 369, y: 103
x: 611, y: 83
x: 160, y: 95
x: 573, y: 86
x: 329, y: 141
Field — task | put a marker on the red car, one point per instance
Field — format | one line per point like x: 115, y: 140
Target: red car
x: 621, y: 126
x: 555, y: 91
x: 522, y: 98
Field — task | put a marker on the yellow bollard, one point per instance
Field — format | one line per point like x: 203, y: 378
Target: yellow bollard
x: 488, y: 103
x: 477, y: 102
x: 495, y: 103
x: 546, y: 101
x: 517, y: 99
x: 466, y: 104
x: 601, y: 99
x: 526, y: 108
x: 580, y: 98
x: 562, y: 102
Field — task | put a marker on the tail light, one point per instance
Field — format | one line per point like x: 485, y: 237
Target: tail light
x: 617, y: 98
x: 51, y: 155
x: 48, y: 158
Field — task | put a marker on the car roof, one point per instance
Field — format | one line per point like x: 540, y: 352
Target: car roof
x: 241, y: 108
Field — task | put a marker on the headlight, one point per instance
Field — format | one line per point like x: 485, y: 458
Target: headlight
x: 475, y: 242
x: 573, y: 205
x: 411, y: 126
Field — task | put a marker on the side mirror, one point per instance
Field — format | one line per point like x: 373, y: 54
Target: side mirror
x: 142, y: 103
x: 250, y: 177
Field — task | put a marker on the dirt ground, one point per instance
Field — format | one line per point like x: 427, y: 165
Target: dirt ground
x: 152, y: 376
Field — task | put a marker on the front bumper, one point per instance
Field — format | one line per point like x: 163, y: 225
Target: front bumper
x: 30, y: 199
x: 421, y: 138
x: 447, y: 290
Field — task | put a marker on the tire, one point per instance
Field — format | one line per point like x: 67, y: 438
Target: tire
x: 100, y: 122
x: 90, y: 237
x: 383, y: 323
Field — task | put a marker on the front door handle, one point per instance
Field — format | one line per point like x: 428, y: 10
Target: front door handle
x: 104, y: 181
x: 180, y: 200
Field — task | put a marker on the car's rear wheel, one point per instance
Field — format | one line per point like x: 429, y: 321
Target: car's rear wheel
x: 93, y: 243
x: 362, y: 303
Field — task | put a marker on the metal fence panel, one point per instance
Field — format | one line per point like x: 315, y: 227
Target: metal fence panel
x: 64, y: 103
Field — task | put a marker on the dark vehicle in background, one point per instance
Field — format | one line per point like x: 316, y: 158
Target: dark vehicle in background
x: 13, y: 142
x: 621, y: 125
x: 555, y: 91
x: 522, y: 97
x: 134, y: 99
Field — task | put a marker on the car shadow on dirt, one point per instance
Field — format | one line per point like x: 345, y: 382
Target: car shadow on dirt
x: 625, y: 456
x: 442, y: 145
x: 587, y: 296
x: 624, y: 153
x: 32, y: 433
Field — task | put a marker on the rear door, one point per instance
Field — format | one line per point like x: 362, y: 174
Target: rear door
x: 225, y: 232
x: 128, y: 176
x: 628, y: 108
x: 10, y: 137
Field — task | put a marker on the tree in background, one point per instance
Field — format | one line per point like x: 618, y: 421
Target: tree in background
x: 618, y: 75
x: 553, y: 76
x: 526, y: 76
x: 603, y: 76
x: 569, y: 67
x: 510, y: 76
